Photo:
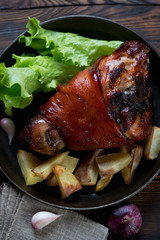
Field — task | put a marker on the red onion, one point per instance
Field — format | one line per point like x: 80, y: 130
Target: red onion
x: 125, y: 221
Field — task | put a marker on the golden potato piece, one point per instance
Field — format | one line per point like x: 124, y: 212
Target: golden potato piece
x: 87, y: 172
x: 67, y: 182
x: 152, y: 146
x: 110, y: 164
x: 27, y: 161
x: 102, y: 183
x: 126, y: 148
x: 45, y: 169
x: 70, y: 163
x: 128, y: 172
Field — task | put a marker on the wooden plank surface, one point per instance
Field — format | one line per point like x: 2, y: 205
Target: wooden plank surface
x: 140, y: 16
x: 22, y: 4
x: 144, y: 20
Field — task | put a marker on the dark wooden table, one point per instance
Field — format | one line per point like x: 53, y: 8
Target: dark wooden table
x: 142, y: 16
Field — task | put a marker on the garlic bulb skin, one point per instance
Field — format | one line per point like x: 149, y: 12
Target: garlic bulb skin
x: 42, y: 219
x: 9, y: 127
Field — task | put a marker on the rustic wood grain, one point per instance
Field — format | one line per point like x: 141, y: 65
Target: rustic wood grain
x: 143, y: 20
x: 23, y: 4
x: 148, y: 201
x: 140, y: 16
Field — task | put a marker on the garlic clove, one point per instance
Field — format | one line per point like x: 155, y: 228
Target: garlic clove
x: 9, y: 127
x: 42, y: 219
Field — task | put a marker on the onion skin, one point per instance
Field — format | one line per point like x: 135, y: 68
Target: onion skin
x: 125, y: 221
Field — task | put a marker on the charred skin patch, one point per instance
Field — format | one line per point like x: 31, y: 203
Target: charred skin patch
x: 125, y: 106
x: 124, y: 77
x: 115, y: 73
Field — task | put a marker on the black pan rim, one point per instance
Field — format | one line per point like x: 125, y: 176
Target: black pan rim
x: 104, y: 205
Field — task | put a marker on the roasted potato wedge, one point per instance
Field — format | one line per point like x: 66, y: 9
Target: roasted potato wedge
x: 128, y: 172
x: 45, y: 169
x: 102, y: 183
x: 152, y: 146
x: 67, y: 182
x: 87, y: 172
x: 110, y: 164
x: 70, y: 163
x: 27, y: 161
x: 124, y: 149
x: 128, y: 148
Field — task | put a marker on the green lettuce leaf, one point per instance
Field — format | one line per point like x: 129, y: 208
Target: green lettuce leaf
x: 66, y: 47
x: 51, y: 72
x: 62, y: 56
x: 28, y: 76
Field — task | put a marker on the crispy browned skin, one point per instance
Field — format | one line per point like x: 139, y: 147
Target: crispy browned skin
x: 107, y: 105
x: 124, y: 77
x: 39, y: 136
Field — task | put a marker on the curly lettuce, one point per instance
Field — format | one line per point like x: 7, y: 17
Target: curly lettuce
x: 66, y: 47
x: 28, y: 76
